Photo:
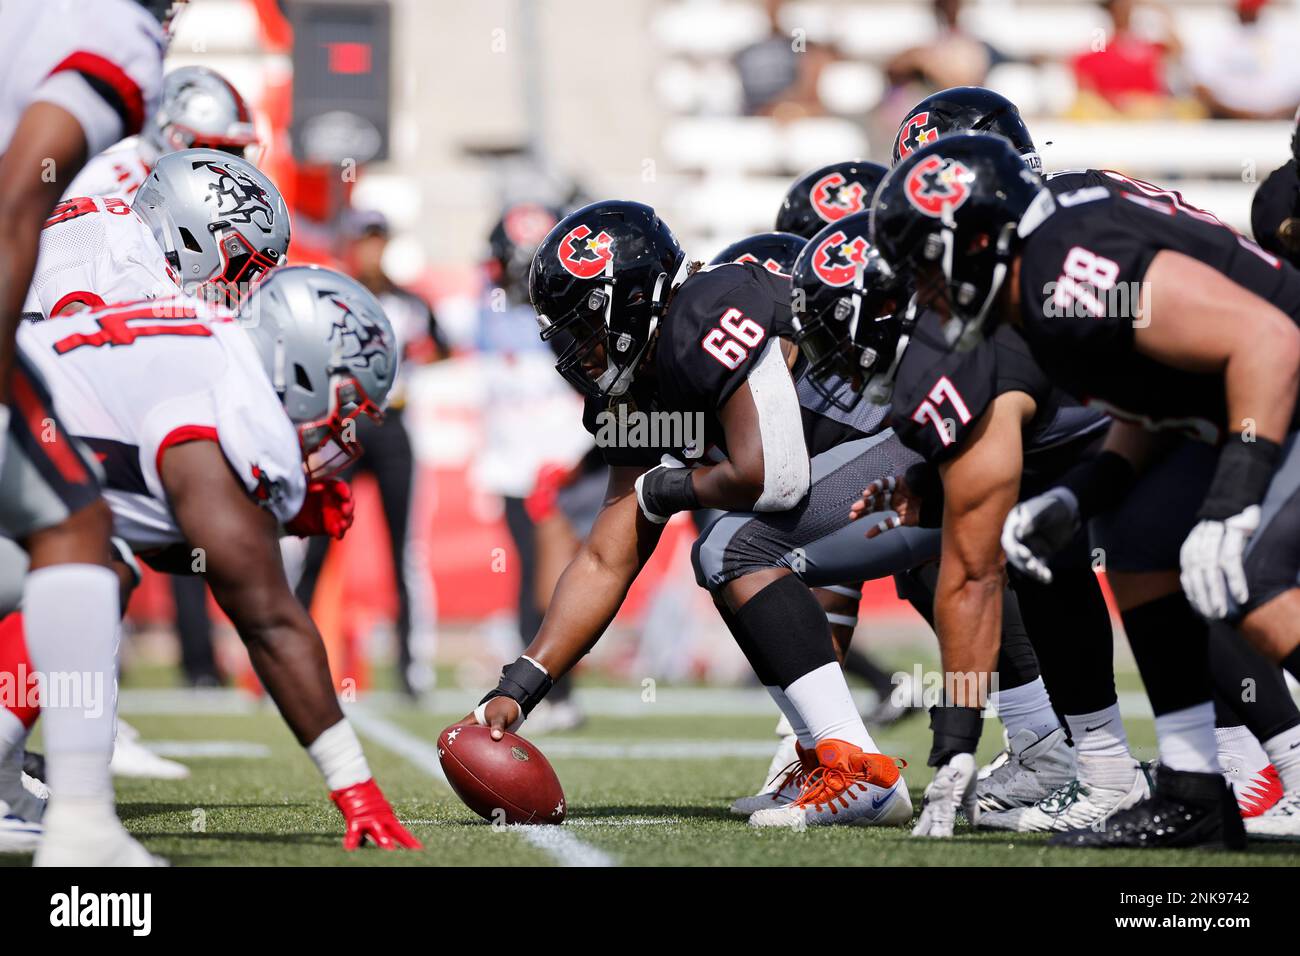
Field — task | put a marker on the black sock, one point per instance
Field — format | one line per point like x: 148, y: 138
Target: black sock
x: 860, y: 665
x: 1069, y: 625
x: 1171, y: 646
x: 783, y: 632
x: 956, y: 731
x: 1249, y: 686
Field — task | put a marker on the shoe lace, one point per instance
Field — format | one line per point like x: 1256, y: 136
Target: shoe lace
x: 1061, y: 799
x: 790, y: 773
x: 825, y: 785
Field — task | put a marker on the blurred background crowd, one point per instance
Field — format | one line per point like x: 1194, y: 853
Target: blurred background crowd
x: 424, y: 144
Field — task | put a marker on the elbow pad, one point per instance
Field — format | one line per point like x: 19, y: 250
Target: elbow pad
x: 786, y: 469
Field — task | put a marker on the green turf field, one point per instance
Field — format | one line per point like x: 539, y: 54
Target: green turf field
x: 647, y: 784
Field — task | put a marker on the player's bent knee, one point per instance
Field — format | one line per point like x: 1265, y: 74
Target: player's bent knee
x: 1273, y: 627
x: 80, y: 538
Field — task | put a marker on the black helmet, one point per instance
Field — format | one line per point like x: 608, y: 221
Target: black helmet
x: 774, y: 251
x: 512, y: 242
x: 848, y: 308
x: 827, y: 195
x: 602, y: 277
x: 960, y: 205
x: 965, y: 108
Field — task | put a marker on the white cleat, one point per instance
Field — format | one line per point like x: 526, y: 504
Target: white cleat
x: 848, y: 787
x: 133, y: 759
x: 951, y: 790
x: 80, y: 834
x: 784, y: 783
x: 1106, y: 786
x: 36, y: 788
x: 1246, y: 767
x: 1034, y: 769
x: 1281, y: 821
x: 18, y: 834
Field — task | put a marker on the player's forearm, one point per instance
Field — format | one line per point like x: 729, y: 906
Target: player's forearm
x: 727, y: 487
x: 968, y: 620
x: 586, y: 599
x: 287, y: 654
x: 1261, y: 382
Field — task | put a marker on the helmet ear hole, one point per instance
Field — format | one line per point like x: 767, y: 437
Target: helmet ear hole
x: 301, y: 378
x: 187, y: 238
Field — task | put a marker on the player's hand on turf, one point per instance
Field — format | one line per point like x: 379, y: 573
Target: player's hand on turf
x: 326, y: 509
x: 1037, y: 528
x: 952, y: 789
x: 369, y: 816
x: 1211, y: 563
x: 888, y: 494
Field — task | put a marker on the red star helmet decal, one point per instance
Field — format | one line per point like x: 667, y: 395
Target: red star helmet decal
x: 937, y: 185
x: 583, y: 254
x: 914, y: 134
x: 834, y: 197
x: 836, y: 261
x: 771, y: 265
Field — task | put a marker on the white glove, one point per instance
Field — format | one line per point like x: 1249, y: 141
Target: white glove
x: 1037, y: 528
x: 952, y: 789
x: 1211, y: 560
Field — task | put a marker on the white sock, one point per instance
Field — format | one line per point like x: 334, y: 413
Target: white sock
x: 11, y: 755
x: 1099, y: 734
x: 338, y: 756
x: 1026, y: 707
x: 1283, y: 752
x: 70, y: 615
x: 793, y: 722
x: 12, y: 732
x: 1186, y: 739
x: 822, y: 699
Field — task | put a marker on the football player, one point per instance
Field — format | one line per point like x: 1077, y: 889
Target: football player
x: 198, y: 109
x: 774, y: 251
x: 1150, y: 311
x: 703, y: 357
x: 974, y: 108
x: 77, y: 79
x: 214, y: 432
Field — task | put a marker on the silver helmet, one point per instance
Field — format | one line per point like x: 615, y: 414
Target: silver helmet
x: 330, y: 353
x: 221, y: 223
x: 199, y: 108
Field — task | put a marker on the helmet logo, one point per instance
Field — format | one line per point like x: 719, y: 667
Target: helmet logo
x: 837, y: 258
x: 834, y: 197
x: 527, y: 224
x: 915, y: 134
x: 362, y: 343
x: 937, y: 186
x: 583, y: 254
x: 771, y: 265
x: 239, y: 199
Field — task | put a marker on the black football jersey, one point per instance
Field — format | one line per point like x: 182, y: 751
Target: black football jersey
x: 716, y: 328
x: 1080, y: 285
x: 941, y: 394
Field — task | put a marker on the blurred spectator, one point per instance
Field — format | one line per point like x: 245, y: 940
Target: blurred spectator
x: 778, y: 76
x: 1249, y: 72
x: 953, y: 58
x: 1125, y: 72
x: 387, y: 455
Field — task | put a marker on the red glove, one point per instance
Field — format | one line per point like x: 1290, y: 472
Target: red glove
x: 541, y: 501
x: 327, y: 509
x: 368, y: 814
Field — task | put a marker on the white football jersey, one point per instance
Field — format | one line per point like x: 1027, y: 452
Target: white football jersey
x: 101, y: 60
x: 133, y: 380
x: 95, y: 252
x: 119, y: 171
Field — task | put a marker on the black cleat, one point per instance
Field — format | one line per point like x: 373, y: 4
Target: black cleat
x: 34, y: 765
x: 1186, y: 810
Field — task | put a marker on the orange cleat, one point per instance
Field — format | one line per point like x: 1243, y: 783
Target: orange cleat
x: 848, y: 786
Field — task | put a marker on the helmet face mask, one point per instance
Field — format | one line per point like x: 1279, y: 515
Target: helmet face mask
x: 329, y: 445
x: 599, y: 283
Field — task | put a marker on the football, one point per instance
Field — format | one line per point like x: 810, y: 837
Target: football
x: 495, y: 777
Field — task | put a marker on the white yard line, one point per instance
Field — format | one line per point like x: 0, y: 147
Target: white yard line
x: 559, y: 843
x: 208, y: 748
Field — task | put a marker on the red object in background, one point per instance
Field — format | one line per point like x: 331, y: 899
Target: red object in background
x: 349, y: 58
x: 1127, y: 66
